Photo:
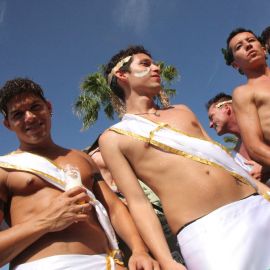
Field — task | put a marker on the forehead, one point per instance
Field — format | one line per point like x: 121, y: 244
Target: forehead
x: 21, y: 100
x: 212, y: 109
x: 240, y: 37
x: 140, y: 56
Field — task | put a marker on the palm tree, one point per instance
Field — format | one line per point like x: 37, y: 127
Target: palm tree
x: 95, y: 94
x: 232, y: 140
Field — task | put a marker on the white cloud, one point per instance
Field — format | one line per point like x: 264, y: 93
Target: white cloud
x: 3, y: 5
x: 132, y: 14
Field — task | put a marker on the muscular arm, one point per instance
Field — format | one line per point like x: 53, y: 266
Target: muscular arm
x: 248, y: 120
x: 139, y: 206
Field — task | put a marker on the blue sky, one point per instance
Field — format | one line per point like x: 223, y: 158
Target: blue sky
x: 58, y: 42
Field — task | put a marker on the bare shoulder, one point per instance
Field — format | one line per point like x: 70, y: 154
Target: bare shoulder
x: 242, y: 92
x: 242, y: 96
x: 181, y: 107
x: 183, y: 110
x: 109, y: 138
x: 86, y: 158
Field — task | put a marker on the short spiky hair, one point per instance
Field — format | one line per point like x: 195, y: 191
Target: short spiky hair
x: 16, y: 87
x: 228, y: 55
x: 217, y: 98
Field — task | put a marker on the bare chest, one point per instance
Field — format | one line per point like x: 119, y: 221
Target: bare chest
x: 24, y: 183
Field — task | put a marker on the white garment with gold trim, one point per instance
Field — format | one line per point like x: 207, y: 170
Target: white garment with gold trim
x: 49, y: 171
x: 233, y: 237
x: 70, y: 262
x: 174, y: 141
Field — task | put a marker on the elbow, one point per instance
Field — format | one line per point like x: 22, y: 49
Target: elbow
x: 257, y: 155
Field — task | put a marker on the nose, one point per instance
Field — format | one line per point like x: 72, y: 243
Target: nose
x: 155, y: 67
x: 248, y: 45
x: 29, y: 116
x: 211, y: 124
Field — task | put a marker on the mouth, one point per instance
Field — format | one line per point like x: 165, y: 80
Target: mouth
x: 251, y: 52
x: 156, y: 76
x: 33, y: 127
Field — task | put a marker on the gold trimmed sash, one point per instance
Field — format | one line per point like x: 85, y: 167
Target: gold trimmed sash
x: 50, y: 172
x: 174, y: 141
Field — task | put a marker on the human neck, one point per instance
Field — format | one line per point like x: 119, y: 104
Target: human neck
x: 44, y: 149
x: 142, y: 106
x: 255, y: 73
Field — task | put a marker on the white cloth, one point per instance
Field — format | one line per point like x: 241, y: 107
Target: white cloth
x: 174, y: 141
x: 49, y: 171
x: 240, y: 160
x: 233, y: 237
x: 70, y: 262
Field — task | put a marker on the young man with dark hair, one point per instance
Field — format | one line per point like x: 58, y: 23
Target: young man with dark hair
x: 222, y: 119
x: 251, y: 100
x: 55, y: 220
x: 204, y: 193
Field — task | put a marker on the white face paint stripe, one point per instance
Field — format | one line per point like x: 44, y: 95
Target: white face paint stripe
x: 140, y: 74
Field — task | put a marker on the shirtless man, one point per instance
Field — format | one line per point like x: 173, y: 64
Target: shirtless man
x: 152, y: 197
x: 251, y: 101
x: 222, y: 118
x: 49, y: 228
x: 149, y: 144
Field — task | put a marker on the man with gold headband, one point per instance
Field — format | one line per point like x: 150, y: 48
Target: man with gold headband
x: 209, y: 201
x: 222, y: 118
x: 47, y: 193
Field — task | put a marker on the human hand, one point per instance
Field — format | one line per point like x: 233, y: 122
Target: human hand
x: 256, y: 171
x: 66, y: 209
x: 142, y: 261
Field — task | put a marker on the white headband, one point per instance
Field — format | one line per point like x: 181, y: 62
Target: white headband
x: 117, y: 67
x: 218, y: 105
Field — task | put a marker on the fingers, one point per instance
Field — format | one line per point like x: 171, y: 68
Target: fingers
x: 83, y: 208
x: 78, y: 195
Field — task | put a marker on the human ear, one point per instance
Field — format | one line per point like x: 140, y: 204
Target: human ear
x: 49, y: 105
x: 234, y: 65
x: 121, y: 75
x: 6, y: 124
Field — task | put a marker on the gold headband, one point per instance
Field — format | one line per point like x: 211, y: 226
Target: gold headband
x: 218, y: 105
x: 117, y: 67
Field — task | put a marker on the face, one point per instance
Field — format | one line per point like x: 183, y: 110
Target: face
x: 29, y: 117
x: 144, y: 74
x: 247, y: 50
x: 218, y: 119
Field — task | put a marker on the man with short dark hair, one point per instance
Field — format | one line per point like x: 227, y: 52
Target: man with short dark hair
x: 56, y: 222
x: 251, y: 100
x: 222, y: 119
x: 204, y: 193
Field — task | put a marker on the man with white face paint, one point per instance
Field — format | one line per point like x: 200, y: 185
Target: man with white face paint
x: 204, y: 193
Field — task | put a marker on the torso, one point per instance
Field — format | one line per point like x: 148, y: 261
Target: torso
x: 187, y: 189
x: 260, y: 90
x: 30, y: 195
